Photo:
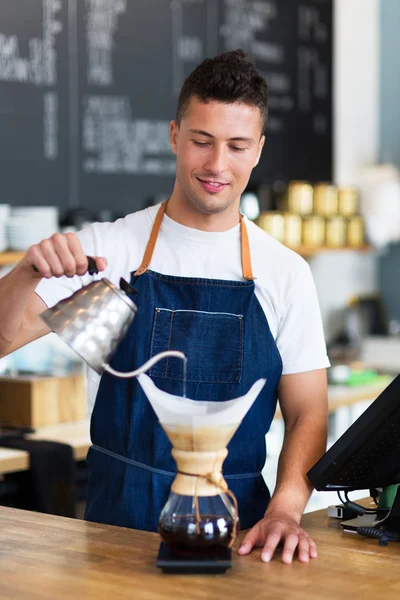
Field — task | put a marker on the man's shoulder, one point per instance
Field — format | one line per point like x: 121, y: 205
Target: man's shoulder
x: 143, y: 217
x: 135, y: 224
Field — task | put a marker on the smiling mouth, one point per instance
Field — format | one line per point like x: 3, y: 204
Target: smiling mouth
x: 211, y: 185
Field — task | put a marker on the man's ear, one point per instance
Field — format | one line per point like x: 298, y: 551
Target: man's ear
x: 173, y: 136
x: 260, y: 147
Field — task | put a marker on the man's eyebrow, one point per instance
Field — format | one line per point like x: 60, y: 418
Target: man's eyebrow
x: 232, y: 139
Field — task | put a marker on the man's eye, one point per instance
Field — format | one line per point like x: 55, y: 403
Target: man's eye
x: 238, y: 149
x: 200, y: 143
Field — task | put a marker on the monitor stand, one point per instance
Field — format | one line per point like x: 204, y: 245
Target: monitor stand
x: 390, y: 522
x: 351, y: 525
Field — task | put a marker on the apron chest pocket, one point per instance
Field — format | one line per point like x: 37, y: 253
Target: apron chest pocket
x: 211, y: 341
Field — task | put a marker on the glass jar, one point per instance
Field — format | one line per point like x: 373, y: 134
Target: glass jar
x: 325, y: 199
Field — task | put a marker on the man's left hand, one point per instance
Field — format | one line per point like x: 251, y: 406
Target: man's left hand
x: 278, y: 527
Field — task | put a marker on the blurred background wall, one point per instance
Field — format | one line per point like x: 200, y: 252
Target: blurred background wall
x: 356, y: 74
x: 389, y: 82
x: 87, y: 91
x: 389, y: 146
x: 84, y: 128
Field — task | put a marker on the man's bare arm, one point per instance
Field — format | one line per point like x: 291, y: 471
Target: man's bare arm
x: 303, y: 400
x: 20, y: 307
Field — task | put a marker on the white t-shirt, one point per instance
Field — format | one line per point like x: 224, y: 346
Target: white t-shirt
x: 284, y: 285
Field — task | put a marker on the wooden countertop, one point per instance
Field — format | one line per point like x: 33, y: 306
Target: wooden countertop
x: 46, y: 557
x: 77, y: 433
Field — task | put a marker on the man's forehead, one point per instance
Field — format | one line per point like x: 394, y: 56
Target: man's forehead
x: 242, y: 119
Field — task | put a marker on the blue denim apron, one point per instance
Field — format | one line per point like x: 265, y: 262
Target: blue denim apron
x: 223, y: 331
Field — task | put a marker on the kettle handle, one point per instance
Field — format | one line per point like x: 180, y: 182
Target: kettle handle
x: 92, y: 267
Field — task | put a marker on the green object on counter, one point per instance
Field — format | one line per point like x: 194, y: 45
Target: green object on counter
x: 344, y: 375
x: 366, y: 377
x: 387, y: 496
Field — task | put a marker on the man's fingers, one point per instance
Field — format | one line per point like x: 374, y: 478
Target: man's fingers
x: 51, y: 258
x: 292, y: 537
x: 291, y: 542
x: 39, y: 263
x: 101, y: 263
x: 273, y: 539
x: 313, y: 548
x: 245, y: 548
x: 64, y: 254
x: 304, y: 548
x: 249, y: 541
x: 74, y: 245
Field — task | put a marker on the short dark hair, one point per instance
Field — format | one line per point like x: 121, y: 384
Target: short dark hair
x: 229, y: 77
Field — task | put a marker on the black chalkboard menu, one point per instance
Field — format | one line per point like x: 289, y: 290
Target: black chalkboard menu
x: 88, y: 88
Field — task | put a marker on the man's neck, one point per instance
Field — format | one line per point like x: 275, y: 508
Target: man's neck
x: 184, y: 213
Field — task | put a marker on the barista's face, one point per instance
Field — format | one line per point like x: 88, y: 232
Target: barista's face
x: 216, y: 145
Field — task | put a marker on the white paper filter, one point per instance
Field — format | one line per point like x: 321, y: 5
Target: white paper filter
x: 174, y: 410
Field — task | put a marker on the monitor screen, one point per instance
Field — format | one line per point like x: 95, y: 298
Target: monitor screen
x: 367, y: 455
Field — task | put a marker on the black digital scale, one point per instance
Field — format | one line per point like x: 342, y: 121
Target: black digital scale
x: 191, y: 563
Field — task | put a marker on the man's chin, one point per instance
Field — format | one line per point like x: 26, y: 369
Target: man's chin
x: 211, y: 206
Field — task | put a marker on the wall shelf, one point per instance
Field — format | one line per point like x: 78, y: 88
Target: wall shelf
x: 308, y: 251
x: 10, y: 258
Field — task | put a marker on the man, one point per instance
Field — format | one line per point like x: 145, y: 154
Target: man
x: 240, y: 305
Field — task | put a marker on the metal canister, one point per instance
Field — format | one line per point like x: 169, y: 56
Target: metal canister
x: 355, y: 232
x: 313, y: 231
x: 293, y: 230
x: 325, y: 199
x: 273, y: 223
x: 348, y: 201
x: 336, y: 232
x: 300, y: 198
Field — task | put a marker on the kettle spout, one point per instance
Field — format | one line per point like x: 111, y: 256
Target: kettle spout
x: 147, y: 365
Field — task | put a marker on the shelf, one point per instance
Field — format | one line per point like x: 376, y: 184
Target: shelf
x: 10, y: 258
x: 307, y: 251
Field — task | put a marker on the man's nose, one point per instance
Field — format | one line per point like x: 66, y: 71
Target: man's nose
x: 216, y: 161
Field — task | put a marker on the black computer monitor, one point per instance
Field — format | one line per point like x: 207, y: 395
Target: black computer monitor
x: 367, y: 455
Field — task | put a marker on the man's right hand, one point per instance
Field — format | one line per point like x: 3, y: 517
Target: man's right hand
x: 61, y: 254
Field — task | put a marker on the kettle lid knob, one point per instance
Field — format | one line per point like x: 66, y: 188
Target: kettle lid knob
x: 127, y: 287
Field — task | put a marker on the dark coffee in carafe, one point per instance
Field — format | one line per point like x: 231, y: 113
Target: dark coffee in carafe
x: 184, y: 535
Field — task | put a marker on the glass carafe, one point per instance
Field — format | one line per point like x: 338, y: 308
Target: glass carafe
x: 201, y: 513
x: 198, y: 525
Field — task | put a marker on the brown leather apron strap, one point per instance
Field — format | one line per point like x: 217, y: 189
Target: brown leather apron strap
x: 148, y: 253
x: 245, y: 247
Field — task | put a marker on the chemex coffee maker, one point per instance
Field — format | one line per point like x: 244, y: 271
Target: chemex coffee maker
x: 199, y: 522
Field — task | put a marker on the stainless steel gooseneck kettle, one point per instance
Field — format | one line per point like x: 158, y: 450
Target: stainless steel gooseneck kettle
x: 95, y: 319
